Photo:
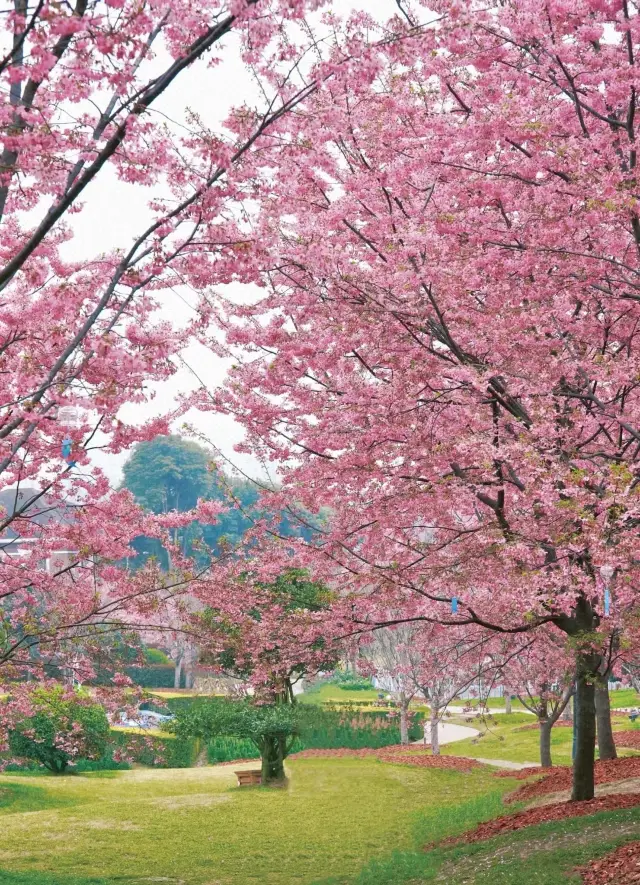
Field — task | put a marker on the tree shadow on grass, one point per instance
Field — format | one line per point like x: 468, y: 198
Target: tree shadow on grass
x: 36, y: 878
x: 17, y: 797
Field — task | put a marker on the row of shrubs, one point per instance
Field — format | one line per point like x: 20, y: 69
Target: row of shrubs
x: 327, y: 730
x: 321, y: 728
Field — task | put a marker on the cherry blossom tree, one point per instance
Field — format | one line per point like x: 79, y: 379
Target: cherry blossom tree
x: 83, y: 86
x: 447, y: 338
x: 393, y: 657
x: 541, y: 674
x: 445, y: 663
x: 270, y: 633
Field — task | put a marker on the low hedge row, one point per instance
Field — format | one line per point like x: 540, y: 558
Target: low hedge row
x: 326, y: 731
x: 160, y: 751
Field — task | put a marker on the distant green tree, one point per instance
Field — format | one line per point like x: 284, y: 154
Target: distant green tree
x: 168, y: 473
x: 172, y: 473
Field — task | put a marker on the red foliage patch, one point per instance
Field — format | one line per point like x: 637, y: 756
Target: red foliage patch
x: 560, y: 778
x: 457, y: 763
x: 621, y: 867
x: 562, y: 810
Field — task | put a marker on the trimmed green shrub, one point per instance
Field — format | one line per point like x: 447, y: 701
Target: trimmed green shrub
x: 226, y: 749
x: 351, y: 681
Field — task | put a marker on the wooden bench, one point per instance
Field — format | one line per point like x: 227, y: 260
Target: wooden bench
x: 249, y: 778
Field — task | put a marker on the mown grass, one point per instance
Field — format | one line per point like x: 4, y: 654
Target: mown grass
x: 504, y: 737
x: 195, y: 825
x: 329, y: 693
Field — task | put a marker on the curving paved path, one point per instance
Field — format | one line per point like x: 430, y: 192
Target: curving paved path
x: 448, y: 733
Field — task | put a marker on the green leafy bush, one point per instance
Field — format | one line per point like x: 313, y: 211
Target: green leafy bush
x: 62, y: 729
x: 226, y: 749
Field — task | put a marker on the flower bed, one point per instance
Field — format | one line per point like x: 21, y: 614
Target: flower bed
x: 620, y: 867
x: 560, y: 778
x: 560, y: 811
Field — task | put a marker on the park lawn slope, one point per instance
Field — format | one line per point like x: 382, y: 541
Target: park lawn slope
x: 546, y: 854
x: 196, y: 825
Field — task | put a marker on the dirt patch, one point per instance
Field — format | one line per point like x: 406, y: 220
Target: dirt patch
x: 192, y: 800
x: 99, y: 824
x: 401, y: 756
x: 616, y: 788
x: 520, y: 774
x: 559, y: 779
x: 621, y: 867
x: 535, y: 726
x: 561, y: 811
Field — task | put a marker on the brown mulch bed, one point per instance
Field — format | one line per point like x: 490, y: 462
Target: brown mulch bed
x: 628, y: 739
x: 621, y: 867
x: 560, y: 778
x: 560, y: 811
x: 520, y: 774
x: 534, y: 726
x: 396, y: 753
x: 399, y: 755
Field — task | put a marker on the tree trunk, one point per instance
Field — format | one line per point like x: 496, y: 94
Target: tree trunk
x: 606, y: 743
x: 545, y: 743
x: 507, y: 703
x: 404, y: 720
x: 435, y: 739
x: 567, y: 713
x: 177, y: 673
x: 272, y: 760
x: 585, y: 728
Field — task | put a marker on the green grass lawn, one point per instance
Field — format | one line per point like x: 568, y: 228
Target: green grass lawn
x: 506, y: 740
x: 503, y: 738
x: 195, y: 826
x: 329, y: 693
x: 624, y: 697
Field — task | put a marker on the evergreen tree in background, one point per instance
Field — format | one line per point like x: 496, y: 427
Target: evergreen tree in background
x: 172, y: 473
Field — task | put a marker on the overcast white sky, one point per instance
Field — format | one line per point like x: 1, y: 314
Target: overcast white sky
x: 115, y: 212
